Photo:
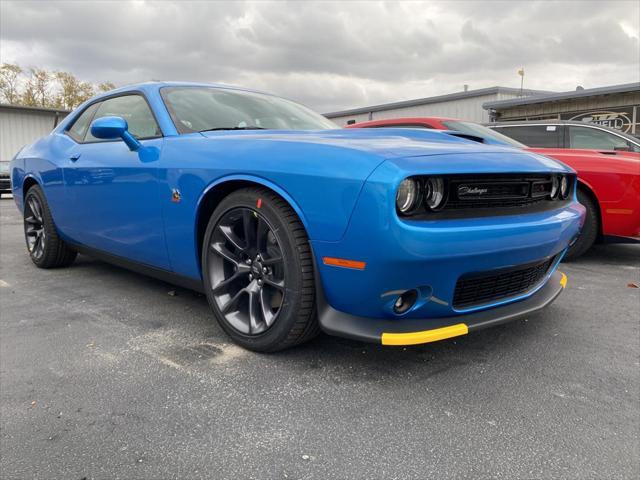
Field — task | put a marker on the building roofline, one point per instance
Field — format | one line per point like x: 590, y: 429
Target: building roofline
x: 556, y: 97
x: 438, y: 98
x: 33, y: 109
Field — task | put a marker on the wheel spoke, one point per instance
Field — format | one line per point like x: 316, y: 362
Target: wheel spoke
x: 233, y: 301
x: 248, y: 219
x: 265, y: 306
x: 35, y: 209
x: 32, y: 220
x: 271, y: 261
x: 279, y: 284
x: 232, y: 237
x: 228, y: 281
x: 262, y: 233
x: 255, y: 312
x: 222, y: 251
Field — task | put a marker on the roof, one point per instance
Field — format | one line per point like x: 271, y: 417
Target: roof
x: 437, y: 99
x: 154, y: 85
x: 34, y: 109
x: 556, y: 97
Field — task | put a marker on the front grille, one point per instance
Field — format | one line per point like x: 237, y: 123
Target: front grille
x: 5, y: 183
x: 475, y: 289
x: 504, y: 191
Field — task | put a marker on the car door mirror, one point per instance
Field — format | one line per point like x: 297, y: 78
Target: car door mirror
x: 110, y: 128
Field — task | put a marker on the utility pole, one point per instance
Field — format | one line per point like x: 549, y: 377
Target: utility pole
x: 521, y: 73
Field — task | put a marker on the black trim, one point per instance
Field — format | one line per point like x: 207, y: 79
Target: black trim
x: 364, y: 329
x: 155, y: 272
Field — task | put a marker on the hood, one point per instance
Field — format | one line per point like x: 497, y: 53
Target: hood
x: 404, y: 146
x: 386, y: 143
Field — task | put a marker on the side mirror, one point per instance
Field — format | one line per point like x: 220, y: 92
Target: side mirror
x: 110, y: 128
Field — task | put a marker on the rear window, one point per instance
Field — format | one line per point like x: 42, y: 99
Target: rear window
x: 537, y: 136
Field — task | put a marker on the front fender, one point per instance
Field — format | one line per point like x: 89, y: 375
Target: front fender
x: 260, y: 181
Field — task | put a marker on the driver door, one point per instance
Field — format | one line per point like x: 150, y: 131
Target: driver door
x: 114, y: 191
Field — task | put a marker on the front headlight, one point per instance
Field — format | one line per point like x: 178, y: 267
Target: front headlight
x: 564, y: 187
x: 434, y: 194
x: 407, y: 195
x: 555, y: 184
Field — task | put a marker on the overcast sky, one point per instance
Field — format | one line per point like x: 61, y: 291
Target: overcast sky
x: 331, y: 56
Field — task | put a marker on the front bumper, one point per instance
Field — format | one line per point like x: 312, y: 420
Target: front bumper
x: 419, y: 331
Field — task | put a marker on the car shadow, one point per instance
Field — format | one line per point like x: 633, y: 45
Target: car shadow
x: 346, y: 360
x: 609, y: 253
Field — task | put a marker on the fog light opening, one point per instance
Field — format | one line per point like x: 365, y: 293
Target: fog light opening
x: 405, y: 301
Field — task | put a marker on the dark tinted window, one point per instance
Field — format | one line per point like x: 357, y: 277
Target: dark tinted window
x: 542, y: 136
x: 135, y: 110
x: 79, y: 128
x: 585, y: 137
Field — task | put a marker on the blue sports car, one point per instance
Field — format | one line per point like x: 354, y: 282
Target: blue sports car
x: 291, y: 226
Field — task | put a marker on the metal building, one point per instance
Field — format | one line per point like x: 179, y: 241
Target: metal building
x: 615, y: 106
x: 20, y: 125
x: 466, y: 105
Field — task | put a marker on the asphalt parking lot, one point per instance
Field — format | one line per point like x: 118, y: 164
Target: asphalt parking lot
x: 105, y: 374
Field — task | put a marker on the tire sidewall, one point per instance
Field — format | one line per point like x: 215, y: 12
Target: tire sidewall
x: 279, y: 330
x: 589, y: 231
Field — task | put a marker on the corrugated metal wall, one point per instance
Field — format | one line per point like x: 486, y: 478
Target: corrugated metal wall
x: 464, y: 109
x: 20, y: 127
x: 554, y: 109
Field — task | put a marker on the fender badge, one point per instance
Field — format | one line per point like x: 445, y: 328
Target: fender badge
x: 175, y: 195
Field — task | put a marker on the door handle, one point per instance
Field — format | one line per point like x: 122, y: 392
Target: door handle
x: 74, y: 157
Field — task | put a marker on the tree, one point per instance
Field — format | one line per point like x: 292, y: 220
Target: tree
x: 40, y: 85
x: 9, y: 82
x: 106, y: 86
x: 72, y: 91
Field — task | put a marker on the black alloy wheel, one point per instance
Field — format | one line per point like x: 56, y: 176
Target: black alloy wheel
x: 258, y: 271
x: 34, y: 227
x: 247, y: 271
x: 45, y: 247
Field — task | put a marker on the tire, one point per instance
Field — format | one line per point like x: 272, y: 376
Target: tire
x: 45, y: 247
x: 258, y: 271
x: 589, y: 231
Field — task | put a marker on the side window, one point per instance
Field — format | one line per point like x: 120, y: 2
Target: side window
x: 78, y: 130
x: 135, y: 110
x: 584, y: 137
x: 541, y: 136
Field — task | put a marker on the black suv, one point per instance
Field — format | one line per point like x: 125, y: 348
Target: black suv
x: 567, y: 134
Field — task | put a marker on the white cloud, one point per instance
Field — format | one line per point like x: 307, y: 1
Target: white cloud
x: 331, y: 55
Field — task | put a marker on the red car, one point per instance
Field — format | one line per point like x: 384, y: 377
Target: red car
x: 608, y: 180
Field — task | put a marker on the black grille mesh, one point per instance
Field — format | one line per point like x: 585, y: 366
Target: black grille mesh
x: 480, y: 288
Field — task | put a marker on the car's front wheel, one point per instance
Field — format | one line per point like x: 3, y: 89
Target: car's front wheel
x: 590, y: 229
x: 46, y: 248
x: 258, y: 271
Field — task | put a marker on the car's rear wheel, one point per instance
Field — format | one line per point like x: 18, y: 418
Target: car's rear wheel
x: 590, y: 228
x: 46, y: 248
x: 258, y: 271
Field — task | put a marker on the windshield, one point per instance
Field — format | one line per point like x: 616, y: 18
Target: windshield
x: 482, y: 131
x: 199, y: 109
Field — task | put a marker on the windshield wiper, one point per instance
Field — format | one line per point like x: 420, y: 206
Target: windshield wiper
x: 248, y: 127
